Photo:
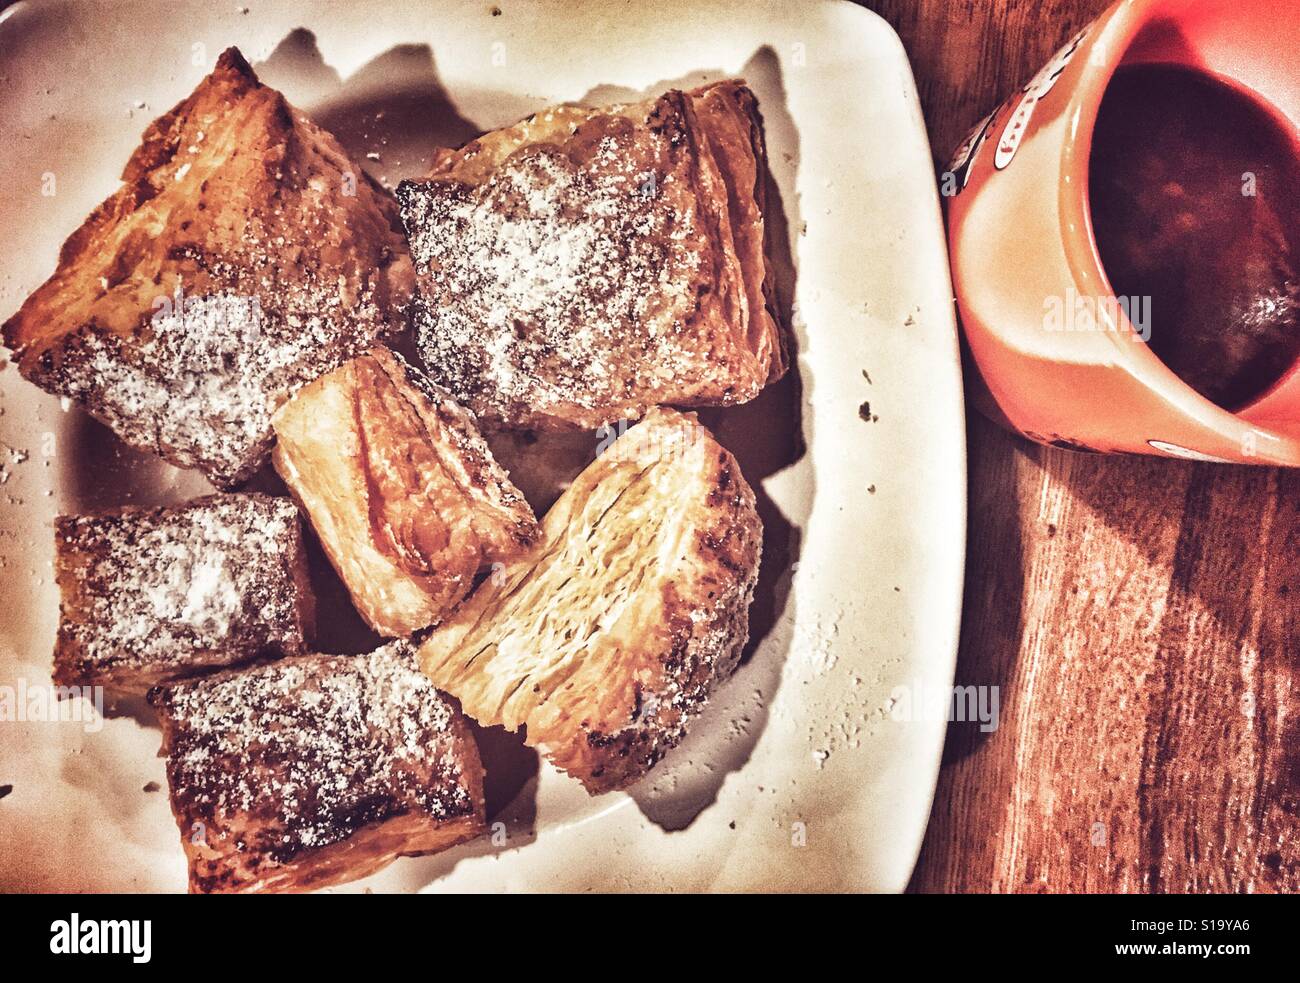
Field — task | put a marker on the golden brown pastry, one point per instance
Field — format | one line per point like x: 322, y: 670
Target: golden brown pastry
x: 315, y: 770
x: 609, y: 637
x: 584, y: 265
x: 401, y: 489
x: 156, y: 594
x: 244, y: 255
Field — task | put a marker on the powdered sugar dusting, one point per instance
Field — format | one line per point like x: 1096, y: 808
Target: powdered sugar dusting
x: 557, y: 283
x: 205, y: 382
x: 302, y: 753
x: 157, y: 593
x: 294, y: 261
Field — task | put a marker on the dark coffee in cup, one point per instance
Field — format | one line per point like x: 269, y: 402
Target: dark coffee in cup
x: 1194, y: 189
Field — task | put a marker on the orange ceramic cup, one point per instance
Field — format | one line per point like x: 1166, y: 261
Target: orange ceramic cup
x: 1022, y: 248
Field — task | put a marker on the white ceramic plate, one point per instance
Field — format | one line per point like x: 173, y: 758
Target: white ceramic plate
x: 799, y: 776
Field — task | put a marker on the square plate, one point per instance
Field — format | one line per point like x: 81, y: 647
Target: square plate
x: 802, y: 774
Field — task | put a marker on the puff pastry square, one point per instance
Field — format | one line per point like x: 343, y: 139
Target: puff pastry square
x: 154, y: 594
x: 606, y: 641
x: 584, y: 265
x: 401, y: 488
x: 315, y: 770
x: 244, y: 255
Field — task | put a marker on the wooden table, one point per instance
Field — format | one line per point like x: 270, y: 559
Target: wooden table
x: 1138, y: 615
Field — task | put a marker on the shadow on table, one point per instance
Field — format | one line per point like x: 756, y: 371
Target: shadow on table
x: 992, y: 605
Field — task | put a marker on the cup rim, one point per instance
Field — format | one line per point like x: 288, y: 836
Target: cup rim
x: 1117, y: 34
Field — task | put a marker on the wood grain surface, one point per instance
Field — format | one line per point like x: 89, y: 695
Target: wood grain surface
x: 1137, y: 614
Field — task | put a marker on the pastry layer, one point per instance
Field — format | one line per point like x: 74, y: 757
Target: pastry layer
x: 585, y: 265
x: 607, y: 639
x: 401, y: 489
x: 154, y: 594
x: 315, y: 770
x: 244, y: 255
